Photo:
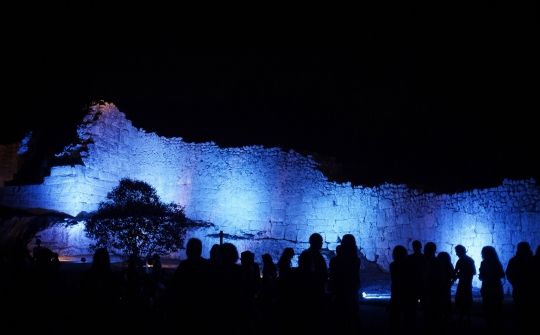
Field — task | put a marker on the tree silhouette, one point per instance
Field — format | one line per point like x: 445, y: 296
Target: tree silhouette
x: 135, y: 221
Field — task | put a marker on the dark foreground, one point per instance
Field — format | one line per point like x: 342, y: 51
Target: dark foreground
x: 56, y: 308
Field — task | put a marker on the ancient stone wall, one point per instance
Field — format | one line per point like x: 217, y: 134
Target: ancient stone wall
x: 265, y: 199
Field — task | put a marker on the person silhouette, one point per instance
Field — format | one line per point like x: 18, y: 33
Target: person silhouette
x: 313, y: 265
x: 37, y: 248
x: 431, y: 288
x: 288, y: 289
x: 42, y: 256
x: 344, y: 282
x: 313, y: 275
x: 399, y: 290
x: 446, y: 273
x: 520, y: 274
x: 464, y: 273
x: 100, y: 291
x: 268, y: 284
x: 490, y: 274
x: 190, y: 287
x: 416, y: 263
x: 284, y: 264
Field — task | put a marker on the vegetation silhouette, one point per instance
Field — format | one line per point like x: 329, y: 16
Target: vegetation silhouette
x: 134, y: 221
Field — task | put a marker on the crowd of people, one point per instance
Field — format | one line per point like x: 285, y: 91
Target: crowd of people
x: 423, y: 281
x: 231, y: 291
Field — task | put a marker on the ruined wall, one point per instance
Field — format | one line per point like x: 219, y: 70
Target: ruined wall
x: 266, y: 198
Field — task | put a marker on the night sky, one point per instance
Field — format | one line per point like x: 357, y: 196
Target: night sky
x: 438, y: 98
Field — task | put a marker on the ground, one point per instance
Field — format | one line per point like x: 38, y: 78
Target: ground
x: 62, y: 312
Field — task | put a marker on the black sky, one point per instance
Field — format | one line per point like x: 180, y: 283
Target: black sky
x: 440, y: 98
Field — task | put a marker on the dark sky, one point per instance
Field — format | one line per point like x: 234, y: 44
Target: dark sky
x: 439, y: 98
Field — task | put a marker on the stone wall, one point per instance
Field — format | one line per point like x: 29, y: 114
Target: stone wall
x: 265, y: 199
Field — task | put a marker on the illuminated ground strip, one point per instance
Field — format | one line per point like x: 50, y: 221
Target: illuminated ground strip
x: 376, y: 296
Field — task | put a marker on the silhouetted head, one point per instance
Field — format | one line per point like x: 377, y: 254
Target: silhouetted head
x: 348, y: 242
x: 194, y: 248
x: 247, y: 257
x: 444, y: 257
x: 229, y: 254
x: 315, y: 241
x: 489, y: 253
x: 524, y: 249
x: 288, y: 252
x: 429, y: 249
x: 267, y: 258
x: 101, y: 260
x: 537, y: 254
x: 38, y: 242
x: 215, y: 253
x: 285, y: 259
x: 417, y: 246
x: 399, y: 253
x: 460, y: 250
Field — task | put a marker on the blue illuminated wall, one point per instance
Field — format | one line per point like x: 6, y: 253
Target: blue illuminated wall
x: 266, y: 199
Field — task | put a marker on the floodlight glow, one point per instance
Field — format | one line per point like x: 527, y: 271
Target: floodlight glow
x: 375, y: 296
